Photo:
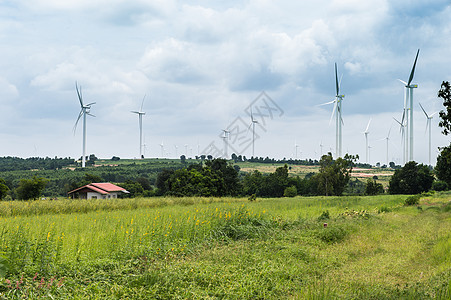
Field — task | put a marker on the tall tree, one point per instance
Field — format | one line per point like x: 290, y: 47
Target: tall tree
x: 443, y: 166
x: 413, y: 178
x: 445, y: 115
x: 333, y: 174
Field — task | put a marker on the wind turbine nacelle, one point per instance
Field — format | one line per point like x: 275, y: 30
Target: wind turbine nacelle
x: 413, y: 86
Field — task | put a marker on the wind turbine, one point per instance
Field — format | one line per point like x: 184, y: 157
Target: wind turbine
x: 321, y: 146
x: 253, y: 122
x: 85, y: 110
x: 428, y: 124
x: 403, y: 139
x: 408, y: 108
x: 226, y: 137
x: 366, y: 132
x: 296, y: 147
x: 140, y: 114
x: 337, y: 111
x: 387, y: 138
x: 162, y: 149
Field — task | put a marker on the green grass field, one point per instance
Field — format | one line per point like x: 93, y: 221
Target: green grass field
x: 227, y: 248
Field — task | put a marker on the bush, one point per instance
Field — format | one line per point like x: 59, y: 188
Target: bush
x: 290, y: 191
x: 332, y: 234
x: 439, y: 185
x: 412, y: 200
x: 324, y: 216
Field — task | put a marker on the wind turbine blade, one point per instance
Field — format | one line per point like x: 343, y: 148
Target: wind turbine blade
x: 423, y: 110
x: 403, y: 82
x: 339, y: 111
x: 78, y: 119
x: 388, y: 135
x: 368, y: 126
x: 92, y: 103
x: 135, y: 112
x: 333, y: 112
x: 327, y: 103
x: 79, y: 94
x: 403, y: 117
x: 89, y: 114
x: 337, y: 87
x: 142, y: 103
x: 413, y: 68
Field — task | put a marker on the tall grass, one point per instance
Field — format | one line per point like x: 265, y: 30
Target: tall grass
x: 227, y: 248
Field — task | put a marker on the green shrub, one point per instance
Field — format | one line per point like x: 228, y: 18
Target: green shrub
x: 324, y: 216
x: 412, y: 200
x: 439, y: 185
x: 332, y: 234
x: 384, y: 209
x: 290, y: 191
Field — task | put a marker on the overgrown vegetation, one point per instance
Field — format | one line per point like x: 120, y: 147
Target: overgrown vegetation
x: 267, y: 249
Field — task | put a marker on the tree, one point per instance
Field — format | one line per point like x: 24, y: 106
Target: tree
x: 413, y: 178
x: 3, y: 188
x: 373, y: 188
x: 445, y: 94
x: 31, y: 188
x: 443, y: 166
x: 334, y: 175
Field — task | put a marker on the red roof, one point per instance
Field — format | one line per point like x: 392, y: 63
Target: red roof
x: 102, y: 188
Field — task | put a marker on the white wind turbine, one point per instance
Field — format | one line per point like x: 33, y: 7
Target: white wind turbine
x: 428, y: 124
x: 226, y: 137
x: 162, y: 149
x: 253, y: 122
x: 408, y: 109
x: 140, y: 114
x: 387, y: 138
x: 366, y: 132
x: 85, y: 110
x: 296, y: 147
x: 403, y: 139
x: 337, y: 110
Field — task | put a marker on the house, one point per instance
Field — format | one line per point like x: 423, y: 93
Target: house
x: 102, y: 190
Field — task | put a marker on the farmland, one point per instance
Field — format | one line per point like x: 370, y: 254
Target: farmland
x: 198, y: 248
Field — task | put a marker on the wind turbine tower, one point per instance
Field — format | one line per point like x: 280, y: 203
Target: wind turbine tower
x: 253, y: 122
x: 140, y: 114
x: 366, y: 140
x: 226, y: 137
x: 85, y: 110
x: 408, y: 108
x: 428, y: 124
x: 337, y: 110
x: 403, y: 139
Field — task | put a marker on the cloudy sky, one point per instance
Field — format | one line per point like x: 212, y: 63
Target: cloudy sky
x: 201, y: 66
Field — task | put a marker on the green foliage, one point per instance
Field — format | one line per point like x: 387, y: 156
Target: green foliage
x: 252, y: 198
x: 443, y: 166
x: 413, y: 178
x: 373, y: 188
x: 334, y: 175
x: 268, y: 249
x: 216, y: 178
x: 439, y: 185
x: 412, y: 200
x: 3, y: 189
x: 332, y: 234
x: 324, y: 216
x: 31, y: 188
x: 445, y: 115
x: 33, y: 163
x: 290, y: 191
